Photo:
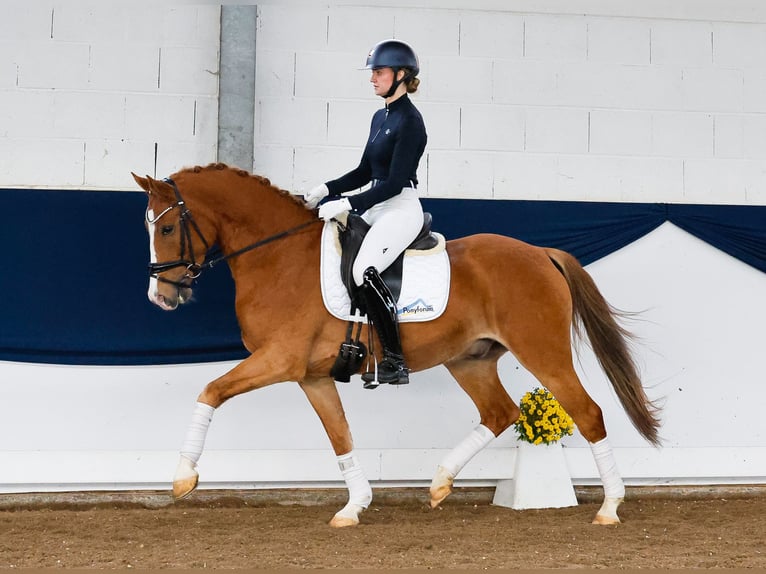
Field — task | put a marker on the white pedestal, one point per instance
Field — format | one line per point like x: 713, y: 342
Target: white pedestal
x: 540, y: 480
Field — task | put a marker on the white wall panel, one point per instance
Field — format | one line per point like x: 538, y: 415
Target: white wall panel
x: 683, y: 134
x: 435, y: 32
x: 681, y: 43
x: 52, y: 65
x: 155, y: 117
x: 314, y: 164
x: 492, y: 127
x: 88, y: 114
x: 755, y: 90
x: 525, y: 175
x: 524, y: 82
x: 557, y: 130
x: 729, y: 140
x: 619, y: 41
x: 118, y: 78
x: 330, y: 76
x: 355, y: 29
x: 443, y: 124
x: 27, y: 114
x: 500, y: 36
x: 20, y: 162
x: 105, y: 160
x: 555, y: 38
x: 115, y: 69
x: 348, y: 122
x: 713, y: 89
x: 189, y: 70
x: 739, y: 45
x: 464, y: 80
x: 621, y: 132
x: 754, y: 137
x: 8, y: 67
x: 294, y: 121
x: 287, y: 27
x: 279, y: 163
x: 275, y: 73
x: 460, y: 174
x: 732, y: 180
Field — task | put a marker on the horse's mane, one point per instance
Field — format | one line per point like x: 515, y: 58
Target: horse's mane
x: 264, y: 181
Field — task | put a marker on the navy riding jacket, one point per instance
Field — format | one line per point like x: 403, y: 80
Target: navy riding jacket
x: 396, y: 143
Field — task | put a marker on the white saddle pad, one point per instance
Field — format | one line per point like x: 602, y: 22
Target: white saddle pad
x: 425, y: 280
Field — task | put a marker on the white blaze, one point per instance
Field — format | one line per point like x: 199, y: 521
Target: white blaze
x: 153, y: 287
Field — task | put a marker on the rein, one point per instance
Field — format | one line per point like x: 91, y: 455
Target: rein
x: 194, y: 269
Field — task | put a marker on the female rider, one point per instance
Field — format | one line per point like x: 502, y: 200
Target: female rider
x: 391, y: 205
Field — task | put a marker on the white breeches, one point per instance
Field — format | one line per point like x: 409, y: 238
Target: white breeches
x: 395, y: 223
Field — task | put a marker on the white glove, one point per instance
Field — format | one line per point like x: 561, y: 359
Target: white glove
x: 314, y: 196
x: 333, y: 209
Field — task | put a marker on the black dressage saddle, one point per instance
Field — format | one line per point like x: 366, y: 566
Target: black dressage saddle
x: 351, y: 236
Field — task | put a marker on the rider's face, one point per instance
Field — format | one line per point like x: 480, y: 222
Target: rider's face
x: 381, y: 79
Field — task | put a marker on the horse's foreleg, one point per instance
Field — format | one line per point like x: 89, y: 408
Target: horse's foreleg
x: 323, y: 396
x: 246, y: 376
x: 479, y: 379
x: 186, y: 477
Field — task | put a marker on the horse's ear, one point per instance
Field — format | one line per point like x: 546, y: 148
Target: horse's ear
x: 143, y: 182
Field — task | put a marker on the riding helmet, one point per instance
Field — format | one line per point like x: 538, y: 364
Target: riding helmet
x: 393, y: 54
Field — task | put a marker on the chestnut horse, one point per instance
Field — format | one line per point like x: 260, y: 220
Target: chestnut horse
x: 505, y: 295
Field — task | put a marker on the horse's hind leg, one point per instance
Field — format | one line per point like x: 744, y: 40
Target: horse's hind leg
x: 565, y: 385
x: 479, y: 379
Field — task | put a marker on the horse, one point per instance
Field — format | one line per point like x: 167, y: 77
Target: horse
x: 505, y: 295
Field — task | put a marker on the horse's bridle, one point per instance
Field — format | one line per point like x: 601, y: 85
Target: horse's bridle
x: 194, y: 269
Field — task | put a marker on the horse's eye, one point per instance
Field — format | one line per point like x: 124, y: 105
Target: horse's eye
x: 167, y: 229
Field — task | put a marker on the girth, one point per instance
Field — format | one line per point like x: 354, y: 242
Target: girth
x: 351, y: 237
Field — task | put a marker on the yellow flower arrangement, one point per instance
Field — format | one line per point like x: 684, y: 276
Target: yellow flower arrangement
x: 542, y: 419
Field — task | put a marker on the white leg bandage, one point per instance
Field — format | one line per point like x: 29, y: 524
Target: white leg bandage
x: 359, y: 490
x: 458, y: 457
x: 197, y: 431
x: 607, y: 469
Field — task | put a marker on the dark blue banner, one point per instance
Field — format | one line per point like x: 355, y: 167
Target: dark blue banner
x: 75, y: 276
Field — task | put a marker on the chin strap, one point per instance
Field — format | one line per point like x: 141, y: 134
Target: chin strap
x: 396, y: 82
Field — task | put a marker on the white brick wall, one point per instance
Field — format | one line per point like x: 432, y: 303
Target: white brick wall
x: 575, y: 101
x: 91, y: 90
x: 646, y: 104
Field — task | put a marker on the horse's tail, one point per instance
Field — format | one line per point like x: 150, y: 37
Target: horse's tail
x: 610, y: 342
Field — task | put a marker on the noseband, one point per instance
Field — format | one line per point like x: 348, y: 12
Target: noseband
x: 194, y: 269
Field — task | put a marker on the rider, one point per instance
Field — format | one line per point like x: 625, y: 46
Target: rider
x: 391, y: 205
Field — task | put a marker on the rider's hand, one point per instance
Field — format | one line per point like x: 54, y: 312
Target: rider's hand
x: 314, y: 196
x: 333, y: 209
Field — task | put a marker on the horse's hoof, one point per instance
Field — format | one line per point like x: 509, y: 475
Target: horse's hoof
x: 441, y: 486
x: 184, y: 487
x: 607, y: 514
x: 439, y: 494
x: 343, y: 521
x: 347, y: 516
x: 606, y: 520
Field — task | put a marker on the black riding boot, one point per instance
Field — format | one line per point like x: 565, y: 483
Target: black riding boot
x: 381, y: 312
